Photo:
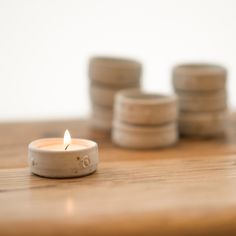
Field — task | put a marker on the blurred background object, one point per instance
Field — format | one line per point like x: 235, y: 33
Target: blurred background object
x: 108, y: 76
x: 202, y: 93
x: 45, y: 47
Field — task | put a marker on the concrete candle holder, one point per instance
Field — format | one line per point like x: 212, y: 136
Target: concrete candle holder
x: 108, y: 76
x: 136, y: 107
x: 114, y: 71
x: 104, y: 95
x: 202, y: 101
x: 48, y: 158
x: 144, y: 137
x: 203, y: 124
x: 199, y: 77
x: 144, y: 120
x: 201, y: 89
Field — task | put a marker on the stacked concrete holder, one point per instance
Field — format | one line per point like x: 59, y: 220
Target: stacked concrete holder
x: 143, y: 120
x: 201, y: 89
x: 107, y: 77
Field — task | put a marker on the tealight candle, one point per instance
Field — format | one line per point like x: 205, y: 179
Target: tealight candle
x: 58, y: 158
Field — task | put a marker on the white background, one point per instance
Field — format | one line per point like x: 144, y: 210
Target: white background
x: 45, y: 45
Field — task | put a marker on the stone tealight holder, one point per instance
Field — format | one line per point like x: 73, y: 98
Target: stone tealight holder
x: 143, y: 137
x: 201, y: 89
x: 199, y: 77
x: 144, y: 120
x: 139, y: 108
x: 117, y: 72
x: 103, y: 95
x: 48, y: 158
x: 108, y: 75
x: 203, y: 124
x: 202, y: 101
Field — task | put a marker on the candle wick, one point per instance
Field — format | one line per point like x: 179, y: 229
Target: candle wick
x: 67, y: 146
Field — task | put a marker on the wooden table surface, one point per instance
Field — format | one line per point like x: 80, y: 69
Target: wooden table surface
x: 189, y: 189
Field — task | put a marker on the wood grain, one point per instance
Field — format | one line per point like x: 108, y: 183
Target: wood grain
x: 189, y: 189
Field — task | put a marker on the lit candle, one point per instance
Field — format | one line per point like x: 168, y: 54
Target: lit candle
x: 63, y: 158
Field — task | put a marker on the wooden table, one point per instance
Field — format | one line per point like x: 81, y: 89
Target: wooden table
x: 189, y: 189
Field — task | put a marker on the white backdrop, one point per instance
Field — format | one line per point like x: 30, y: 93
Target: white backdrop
x: 45, y: 45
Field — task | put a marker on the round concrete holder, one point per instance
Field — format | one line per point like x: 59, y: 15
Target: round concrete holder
x: 138, y: 108
x: 108, y: 76
x: 104, y: 95
x: 114, y: 71
x: 51, y: 163
x: 144, y: 120
x: 201, y: 89
x: 144, y: 137
x: 205, y: 124
x: 199, y: 77
x: 202, y: 101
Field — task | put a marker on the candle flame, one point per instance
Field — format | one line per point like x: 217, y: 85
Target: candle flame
x: 67, y: 139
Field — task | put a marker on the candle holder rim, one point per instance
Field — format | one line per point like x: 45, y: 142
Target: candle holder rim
x: 33, y: 147
x: 144, y: 97
x: 109, y: 61
x: 200, y: 68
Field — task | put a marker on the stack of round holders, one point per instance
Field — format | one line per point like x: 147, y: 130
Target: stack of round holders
x: 143, y: 120
x: 108, y: 76
x: 201, y: 89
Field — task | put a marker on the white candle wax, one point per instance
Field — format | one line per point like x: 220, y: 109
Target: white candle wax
x: 58, y: 145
